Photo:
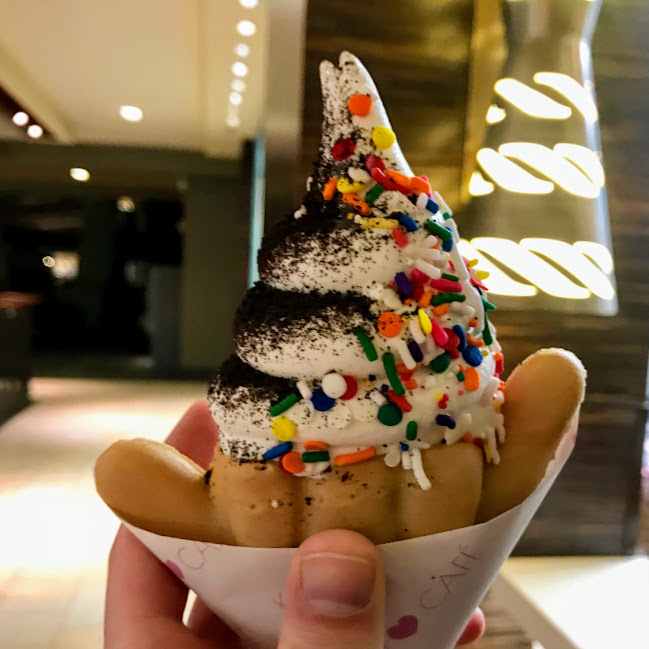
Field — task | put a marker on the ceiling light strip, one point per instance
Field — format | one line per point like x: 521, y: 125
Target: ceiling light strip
x: 510, y: 176
x: 573, y: 91
x: 530, y: 101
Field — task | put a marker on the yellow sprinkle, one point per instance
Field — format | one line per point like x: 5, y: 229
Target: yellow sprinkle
x: 496, y: 405
x: 345, y: 186
x: 383, y: 137
x: 368, y: 384
x: 351, y: 215
x: 482, y: 274
x: 485, y: 353
x: 473, y: 262
x: 382, y: 224
x: 284, y: 429
x: 424, y: 322
x: 487, y: 454
x: 438, y: 396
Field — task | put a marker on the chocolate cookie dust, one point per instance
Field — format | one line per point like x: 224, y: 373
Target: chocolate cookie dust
x: 270, y: 319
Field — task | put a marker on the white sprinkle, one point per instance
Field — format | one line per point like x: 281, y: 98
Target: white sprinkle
x: 489, y: 391
x: 406, y: 460
x: 437, y: 197
x: 375, y: 291
x: 410, y: 250
x: 500, y: 428
x: 274, y: 504
x: 298, y: 214
x: 304, y: 389
x: 461, y: 308
x: 430, y: 254
x: 309, y: 180
x: 422, y: 201
x: 401, y: 347
x: 429, y: 241
x: 416, y: 332
x: 491, y: 445
x: 391, y: 299
x: 334, y: 385
x: 393, y: 456
x: 378, y: 398
x: 359, y: 175
x: 428, y: 269
x: 418, y: 470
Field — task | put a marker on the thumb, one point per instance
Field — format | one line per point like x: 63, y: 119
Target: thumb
x: 335, y: 594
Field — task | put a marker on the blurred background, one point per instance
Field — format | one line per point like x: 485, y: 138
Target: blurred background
x: 146, y: 145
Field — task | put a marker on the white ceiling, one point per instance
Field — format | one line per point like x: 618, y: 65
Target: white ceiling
x: 72, y: 63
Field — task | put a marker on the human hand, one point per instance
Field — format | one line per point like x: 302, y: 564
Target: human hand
x: 334, y: 596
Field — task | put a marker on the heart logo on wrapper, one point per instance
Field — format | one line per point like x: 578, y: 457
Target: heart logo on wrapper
x: 405, y: 628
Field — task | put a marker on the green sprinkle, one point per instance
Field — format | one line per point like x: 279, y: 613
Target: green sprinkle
x: 283, y: 405
x: 488, y: 305
x: 440, y: 363
x: 373, y: 194
x: 411, y: 431
x: 447, y: 216
x: 486, y: 333
x: 452, y: 278
x: 367, y: 344
x: 445, y: 298
x: 392, y: 374
x: 438, y: 230
x: 390, y: 414
x: 460, y: 376
x: 315, y: 456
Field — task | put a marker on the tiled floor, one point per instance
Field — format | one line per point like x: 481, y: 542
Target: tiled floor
x: 56, y: 533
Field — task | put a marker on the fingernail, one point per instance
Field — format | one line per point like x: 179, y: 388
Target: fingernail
x: 337, y: 585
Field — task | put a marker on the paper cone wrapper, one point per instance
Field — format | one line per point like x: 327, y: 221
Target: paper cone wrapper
x: 434, y: 583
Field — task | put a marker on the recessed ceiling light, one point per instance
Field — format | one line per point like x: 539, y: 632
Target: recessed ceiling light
x: 131, y: 113
x: 233, y: 120
x: 238, y: 85
x: 246, y: 27
x: 242, y: 50
x: 235, y: 98
x: 239, y: 69
x: 125, y: 204
x: 248, y: 4
x: 48, y: 261
x: 20, y: 118
x: 79, y: 174
x: 35, y: 131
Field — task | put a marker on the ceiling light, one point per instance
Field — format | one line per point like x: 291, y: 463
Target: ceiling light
x: 233, y: 120
x: 131, y: 113
x: 530, y: 101
x: 585, y: 159
x: 235, y: 98
x: 238, y: 85
x: 552, y: 165
x: 248, y: 4
x: 495, y: 114
x: 48, y: 261
x: 600, y: 254
x: 125, y: 204
x: 478, y: 186
x: 20, y: 118
x: 239, y: 69
x: 35, y: 131
x: 510, y: 176
x: 573, y: 91
x: 246, y: 27
x: 79, y: 174
x: 242, y: 50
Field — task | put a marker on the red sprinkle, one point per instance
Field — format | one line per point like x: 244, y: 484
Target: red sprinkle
x: 382, y: 178
x: 446, y: 285
x: 439, y: 334
x: 402, y: 402
x: 343, y: 149
x: 476, y: 282
x: 400, y: 237
x: 500, y: 362
x: 417, y: 277
x: 374, y: 162
x: 352, y: 388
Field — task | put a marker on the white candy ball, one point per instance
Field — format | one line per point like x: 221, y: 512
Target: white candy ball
x: 334, y: 385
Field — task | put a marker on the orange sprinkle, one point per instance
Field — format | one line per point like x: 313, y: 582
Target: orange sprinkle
x: 424, y: 300
x: 292, y: 462
x: 419, y: 186
x: 390, y: 324
x: 399, y: 178
x: 467, y: 437
x: 502, y: 385
x: 471, y: 379
x: 472, y: 340
x: 411, y: 384
x: 473, y: 322
x: 402, y: 369
x: 498, y: 356
x: 438, y: 244
x: 329, y: 190
x: 408, y: 301
x: 354, y: 458
x: 441, y: 310
x: 315, y: 445
x: 357, y: 203
x: 360, y: 104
